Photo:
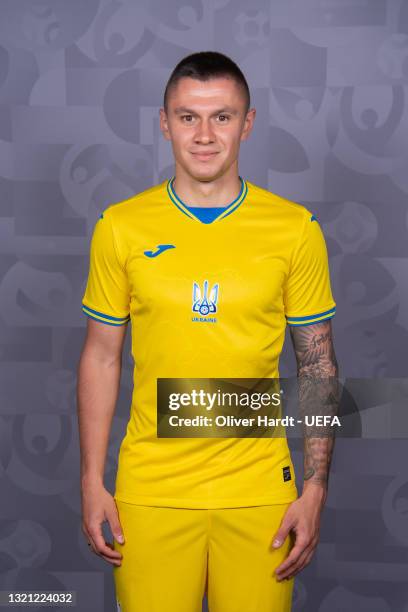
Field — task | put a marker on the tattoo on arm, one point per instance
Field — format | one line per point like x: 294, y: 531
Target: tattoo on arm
x: 318, y: 395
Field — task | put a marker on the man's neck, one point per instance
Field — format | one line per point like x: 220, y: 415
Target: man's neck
x: 204, y: 194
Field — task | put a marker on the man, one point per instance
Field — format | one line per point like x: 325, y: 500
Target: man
x: 209, y: 268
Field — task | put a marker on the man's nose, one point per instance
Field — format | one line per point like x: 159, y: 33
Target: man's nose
x: 204, y: 132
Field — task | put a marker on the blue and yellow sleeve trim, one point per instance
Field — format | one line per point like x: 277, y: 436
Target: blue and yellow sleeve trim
x: 310, y: 319
x: 104, y: 318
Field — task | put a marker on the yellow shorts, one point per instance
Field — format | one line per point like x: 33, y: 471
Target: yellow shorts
x: 172, y: 556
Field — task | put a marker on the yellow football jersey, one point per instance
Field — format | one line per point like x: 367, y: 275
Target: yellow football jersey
x: 261, y: 264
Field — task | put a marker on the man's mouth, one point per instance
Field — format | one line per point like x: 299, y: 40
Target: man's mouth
x: 204, y: 156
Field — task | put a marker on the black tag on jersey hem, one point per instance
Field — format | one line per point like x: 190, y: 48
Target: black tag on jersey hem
x: 286, y: 473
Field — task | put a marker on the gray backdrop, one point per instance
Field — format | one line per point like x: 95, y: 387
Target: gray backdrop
x: 81, y: 83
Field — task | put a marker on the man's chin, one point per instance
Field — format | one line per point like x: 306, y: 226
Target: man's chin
x: 204, y: 174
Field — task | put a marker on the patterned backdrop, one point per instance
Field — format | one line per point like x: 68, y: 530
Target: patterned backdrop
x: 81, y: 83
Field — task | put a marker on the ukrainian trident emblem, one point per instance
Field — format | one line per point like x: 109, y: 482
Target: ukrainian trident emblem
x: 205, y: 303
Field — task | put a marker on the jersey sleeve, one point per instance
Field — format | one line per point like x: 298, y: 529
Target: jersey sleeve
x: 307, y: 292
x: 107, y: 296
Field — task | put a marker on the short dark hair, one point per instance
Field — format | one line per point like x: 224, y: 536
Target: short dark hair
x: 206, y: 65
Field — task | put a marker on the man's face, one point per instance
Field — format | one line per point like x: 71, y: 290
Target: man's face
x: 205, y: 123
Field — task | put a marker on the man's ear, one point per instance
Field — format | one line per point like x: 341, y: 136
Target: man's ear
x: 248, y: 124
x: 164, y: 126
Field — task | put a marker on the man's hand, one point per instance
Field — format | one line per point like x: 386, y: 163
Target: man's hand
x: 98, y: 505
x: 303, y: 517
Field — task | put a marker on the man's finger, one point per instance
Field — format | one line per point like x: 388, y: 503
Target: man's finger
x: 112, y: 561
x: 300, y: 567
x: 282, y: 533
x: 101, y: 546
x: 115, y: 526
x: 296, y: 566
x: 293, y: 556
x: 108, y: 559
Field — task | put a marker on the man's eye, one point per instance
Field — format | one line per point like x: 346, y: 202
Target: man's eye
x: 224, y: 117
x: 187, y: 117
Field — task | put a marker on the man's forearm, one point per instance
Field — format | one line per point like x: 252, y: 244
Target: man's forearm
x: 318, y: 396
x: 97, y: 392
x: 317, y: 459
